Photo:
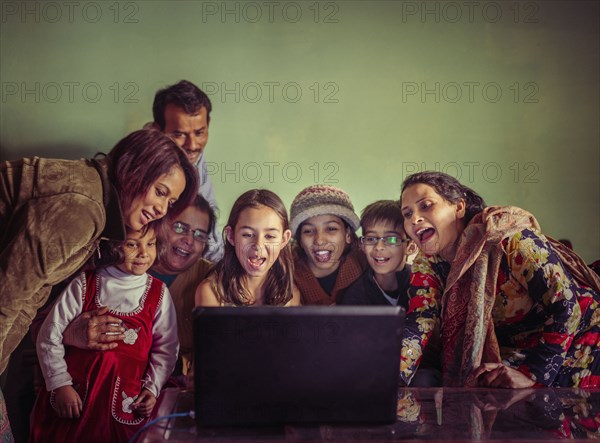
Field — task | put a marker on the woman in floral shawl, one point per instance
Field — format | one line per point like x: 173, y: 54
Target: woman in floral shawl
x: 517, y: 308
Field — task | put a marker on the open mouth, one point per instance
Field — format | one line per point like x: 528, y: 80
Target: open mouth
x: 322, y: 256
x: 146, y: 217
x: 256, y: 262
x: 181, y: 252
x: 381, y: 260
x: 425, y: 234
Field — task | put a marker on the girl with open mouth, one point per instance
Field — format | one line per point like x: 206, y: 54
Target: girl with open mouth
x: 327, y: 259
x: 257, y: 267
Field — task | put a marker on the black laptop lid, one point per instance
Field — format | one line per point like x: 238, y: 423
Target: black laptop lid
x: 274, y: 365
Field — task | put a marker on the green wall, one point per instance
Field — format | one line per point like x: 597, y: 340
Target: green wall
x: 503, y: 95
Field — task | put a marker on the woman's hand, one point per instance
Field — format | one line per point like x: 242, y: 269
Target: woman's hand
x: 144, y: 404
x: 498, y: 375
x: 94, y: 330
x: 67, y: 402
x: 503, y: 399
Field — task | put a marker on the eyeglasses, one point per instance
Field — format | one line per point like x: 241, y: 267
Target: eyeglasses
x: 182, y: 229
x: 388, y: 240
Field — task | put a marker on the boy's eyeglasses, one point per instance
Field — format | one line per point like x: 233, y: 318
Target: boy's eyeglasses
x: 182, y: 229
x: 389, y: 240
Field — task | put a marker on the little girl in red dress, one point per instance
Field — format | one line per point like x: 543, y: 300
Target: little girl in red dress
x: 106, y: 396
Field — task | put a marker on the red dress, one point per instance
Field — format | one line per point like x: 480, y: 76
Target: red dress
x: 107, y: 381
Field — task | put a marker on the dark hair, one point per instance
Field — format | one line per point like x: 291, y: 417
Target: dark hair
x: 110, y: 252
x: 139, y: 159
x: 301, y: 254
x: 566, y: 242
x: 184, y: 94
x: 229, y: 272
x: 450, y: 189
x: 382, y: 211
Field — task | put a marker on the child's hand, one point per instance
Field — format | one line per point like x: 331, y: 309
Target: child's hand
x: 144, y: 404
x: 67, y: 401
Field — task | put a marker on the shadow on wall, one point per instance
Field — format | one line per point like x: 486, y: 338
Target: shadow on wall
x: 66, y: 151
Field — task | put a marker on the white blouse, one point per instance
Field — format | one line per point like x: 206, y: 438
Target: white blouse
x: 121, y: 292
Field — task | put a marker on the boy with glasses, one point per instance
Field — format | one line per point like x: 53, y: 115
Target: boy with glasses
x: 387, y: 248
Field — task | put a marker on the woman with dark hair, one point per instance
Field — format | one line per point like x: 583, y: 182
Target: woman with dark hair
x: 517, y: 308
x: 53, y: 214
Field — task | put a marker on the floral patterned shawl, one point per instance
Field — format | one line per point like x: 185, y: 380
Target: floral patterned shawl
x: 471, y: 289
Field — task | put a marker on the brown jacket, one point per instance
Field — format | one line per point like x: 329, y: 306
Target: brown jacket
x: 53, y: 214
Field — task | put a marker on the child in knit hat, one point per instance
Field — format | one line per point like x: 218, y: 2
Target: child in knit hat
x: 327, y: 259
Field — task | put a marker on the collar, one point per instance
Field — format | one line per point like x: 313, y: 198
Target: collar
x: 197, y: 164
x: 116, y: 273
x: 402, y: 277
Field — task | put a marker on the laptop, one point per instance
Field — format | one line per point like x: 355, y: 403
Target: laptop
x: 257, y: 366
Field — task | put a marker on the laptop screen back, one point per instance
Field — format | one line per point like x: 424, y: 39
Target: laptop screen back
x: 270, y: 365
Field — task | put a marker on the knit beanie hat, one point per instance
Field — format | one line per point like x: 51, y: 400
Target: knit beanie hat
x: 322, y: 200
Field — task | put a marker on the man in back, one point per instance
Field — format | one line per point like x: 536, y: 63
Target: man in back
x: 182, y: 111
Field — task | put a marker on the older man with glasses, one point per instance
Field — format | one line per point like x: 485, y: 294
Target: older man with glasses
x: 181, y: 266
